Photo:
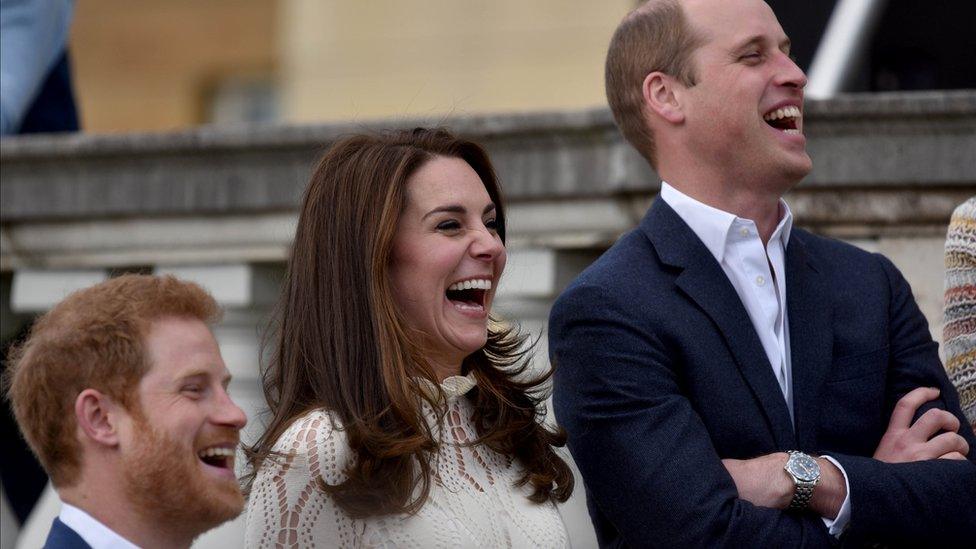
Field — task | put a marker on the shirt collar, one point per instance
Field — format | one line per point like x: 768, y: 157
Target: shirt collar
x: 95, y: 534
x: 452, y: 387
x: 713, y: 226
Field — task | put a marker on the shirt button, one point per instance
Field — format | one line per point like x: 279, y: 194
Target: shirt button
x: 760, y: 280
x: 744, y: 231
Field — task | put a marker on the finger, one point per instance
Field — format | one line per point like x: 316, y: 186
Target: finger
x: 953, y: 455
x: 946, y: 443
x: 932, y: 422
x: 901, y: 416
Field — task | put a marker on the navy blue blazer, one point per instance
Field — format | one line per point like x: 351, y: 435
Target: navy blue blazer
x: 659, y: 374
x: 63, y: 537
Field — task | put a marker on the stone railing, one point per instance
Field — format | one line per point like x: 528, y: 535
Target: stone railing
x: 888, y: 170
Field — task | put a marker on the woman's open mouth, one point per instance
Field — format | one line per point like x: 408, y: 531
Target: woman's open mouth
x: 469, y: 295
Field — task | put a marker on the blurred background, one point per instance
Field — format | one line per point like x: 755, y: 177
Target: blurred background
x: 160, y: 65
x: 199, y: 121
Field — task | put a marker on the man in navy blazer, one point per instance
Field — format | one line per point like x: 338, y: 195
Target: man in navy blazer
x: 62, y: 536
x: 726, y: 379
x: 121, y: 392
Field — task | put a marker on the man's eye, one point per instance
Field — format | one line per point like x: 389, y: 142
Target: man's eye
x: 450, y: 225
x: 192, y: 389
x: 751, y: 56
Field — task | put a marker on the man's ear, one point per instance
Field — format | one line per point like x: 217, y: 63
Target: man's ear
x: 97, y: 415
x: 660, y: 97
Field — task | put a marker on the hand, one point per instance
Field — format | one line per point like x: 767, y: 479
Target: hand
x: 762, y: 481
x: 904, y: 442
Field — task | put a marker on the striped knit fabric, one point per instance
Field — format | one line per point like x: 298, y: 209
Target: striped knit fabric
x: 959, y: 332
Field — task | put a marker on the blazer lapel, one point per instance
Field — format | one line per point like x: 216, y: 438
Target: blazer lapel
x: 704, y: 281
x: 811, y: 337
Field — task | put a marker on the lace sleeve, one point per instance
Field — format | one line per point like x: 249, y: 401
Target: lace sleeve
x: 286, y: 507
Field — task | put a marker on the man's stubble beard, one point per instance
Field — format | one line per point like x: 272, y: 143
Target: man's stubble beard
x: 165, y: 483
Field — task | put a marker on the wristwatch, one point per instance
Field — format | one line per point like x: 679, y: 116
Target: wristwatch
x: 805, y: 472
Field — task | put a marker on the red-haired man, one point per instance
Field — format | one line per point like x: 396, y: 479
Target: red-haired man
x: 121, y: 392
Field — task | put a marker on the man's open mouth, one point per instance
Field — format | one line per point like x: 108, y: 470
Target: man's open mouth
x: 786, y: 119
x: 469, y: 294
x: 218, y: 456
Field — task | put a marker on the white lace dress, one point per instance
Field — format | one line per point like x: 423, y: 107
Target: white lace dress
x: 473, y: 501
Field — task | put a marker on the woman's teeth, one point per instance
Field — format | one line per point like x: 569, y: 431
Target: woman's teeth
x: 477, y: 284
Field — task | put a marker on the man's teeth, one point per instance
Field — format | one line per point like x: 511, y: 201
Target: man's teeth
x: 216, y: 452
x: 478, y: 284
x: 785, y: 112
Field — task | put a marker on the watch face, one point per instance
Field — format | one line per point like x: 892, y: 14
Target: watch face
x: 803, y: 467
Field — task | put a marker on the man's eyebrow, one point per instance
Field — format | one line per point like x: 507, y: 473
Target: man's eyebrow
x: 784, y: 44
x: 190, y: 374
x: 456, y: 208
x: 751, y: 41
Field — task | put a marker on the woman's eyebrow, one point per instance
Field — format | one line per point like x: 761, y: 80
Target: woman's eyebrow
x: 450, y: 208
x: 458, y: 209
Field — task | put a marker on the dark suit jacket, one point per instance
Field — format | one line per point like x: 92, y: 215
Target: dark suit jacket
x: 660, y: 375
x: 62, y: 537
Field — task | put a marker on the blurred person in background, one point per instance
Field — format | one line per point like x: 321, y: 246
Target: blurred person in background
x: 35, y: 76
x: 959, y: 328
x: 402, y: 415
x: 35, y: 97
x: 121, y: 392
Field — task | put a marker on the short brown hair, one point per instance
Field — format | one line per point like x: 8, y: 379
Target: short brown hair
x: 654, y: 37
x: 94, y: 339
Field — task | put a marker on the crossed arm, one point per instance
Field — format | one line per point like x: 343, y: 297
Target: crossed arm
x: 646, y: 457
x: 920, y: 427
x: 652, y: 470
x: 761, y: 481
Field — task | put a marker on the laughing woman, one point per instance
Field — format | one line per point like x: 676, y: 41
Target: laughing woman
x: 400, y: 415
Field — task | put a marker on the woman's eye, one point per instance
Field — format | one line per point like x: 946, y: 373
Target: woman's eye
x: 492, y: 224
x: 449, y: 225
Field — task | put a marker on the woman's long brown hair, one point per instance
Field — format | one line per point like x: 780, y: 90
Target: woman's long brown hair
x: 342, y: 345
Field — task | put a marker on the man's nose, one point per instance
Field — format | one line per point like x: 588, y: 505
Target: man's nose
x: 790, y: 74
x: 228, y: 413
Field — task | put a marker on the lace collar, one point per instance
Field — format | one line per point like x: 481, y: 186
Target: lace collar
x: 452, y: 387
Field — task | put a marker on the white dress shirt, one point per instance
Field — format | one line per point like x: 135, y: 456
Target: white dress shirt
x: 93, y: 532
x: 758, y: 274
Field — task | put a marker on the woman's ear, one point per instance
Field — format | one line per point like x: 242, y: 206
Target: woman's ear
x: 96, y: 415
x: 661, y: 97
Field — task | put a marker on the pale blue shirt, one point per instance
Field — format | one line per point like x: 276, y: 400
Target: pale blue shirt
x: 33, y: 33
x: 95, y: 534
x: 758, y: 274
